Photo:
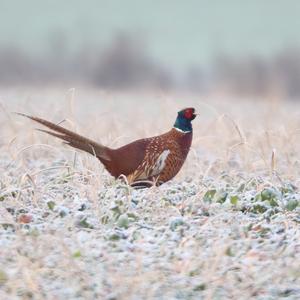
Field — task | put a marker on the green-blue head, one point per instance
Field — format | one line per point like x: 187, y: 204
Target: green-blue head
x: 184, y: 119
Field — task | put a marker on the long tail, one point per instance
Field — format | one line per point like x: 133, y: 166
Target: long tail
x: 73, y: 139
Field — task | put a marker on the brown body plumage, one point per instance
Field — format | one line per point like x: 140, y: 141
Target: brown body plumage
x: 144, y: 162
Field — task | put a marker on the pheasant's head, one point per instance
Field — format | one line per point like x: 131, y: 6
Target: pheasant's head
x: 184, y: 119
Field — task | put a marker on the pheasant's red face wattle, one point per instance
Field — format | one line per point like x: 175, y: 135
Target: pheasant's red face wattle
x: 189, y: 113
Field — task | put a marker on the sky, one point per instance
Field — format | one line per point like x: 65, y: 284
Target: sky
x: 178, y: 33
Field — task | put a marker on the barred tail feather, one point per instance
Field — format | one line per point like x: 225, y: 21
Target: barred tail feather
x: 73, y: 139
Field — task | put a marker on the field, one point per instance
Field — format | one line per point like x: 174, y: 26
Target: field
x: 227, y: 227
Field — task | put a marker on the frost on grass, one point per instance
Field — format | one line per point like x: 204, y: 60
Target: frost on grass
x: 222, y: 229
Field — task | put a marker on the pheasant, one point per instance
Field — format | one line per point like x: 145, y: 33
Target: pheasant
x: 144, y: 162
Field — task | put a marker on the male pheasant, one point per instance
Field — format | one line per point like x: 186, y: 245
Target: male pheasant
x: 144, y: 162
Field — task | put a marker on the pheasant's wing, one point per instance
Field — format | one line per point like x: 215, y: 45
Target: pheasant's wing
x: 126, y: 159
x: 158, y: 155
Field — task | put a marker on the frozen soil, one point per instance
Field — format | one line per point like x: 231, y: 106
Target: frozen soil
x: 227, y: 227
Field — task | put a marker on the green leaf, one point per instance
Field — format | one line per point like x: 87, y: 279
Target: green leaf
x: 229, y: 252
x: 83, y: 223
x: 258, y: 208
x: 51, y: 205
x: 271, y: 196
x: 3, y: 277
x: 77, y: 254
x: 104, y: 219
x: 273, y: 202
x: 220, y: 196
x: 297, y: 219
x: 200, y: 287
x: 176, y: 223
x: 292, y: 204
x: 241, y: 188
x: 288, y: 188
x: 264, y: 231
x: 123, y: 221
x: 209, y: 195
x: 136, y: 235
x: 7, y: 225
x: 266, y: 194
x: 117, y: 210
x: 234, y: 199
x: 62, y: 213
x: 132, y: 216
x: 114, y: 237
x: 194, y: 273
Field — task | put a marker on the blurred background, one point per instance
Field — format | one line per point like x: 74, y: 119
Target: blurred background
x: 244, y: 48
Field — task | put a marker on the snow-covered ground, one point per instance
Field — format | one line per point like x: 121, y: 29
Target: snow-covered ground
x: 227, y: 227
